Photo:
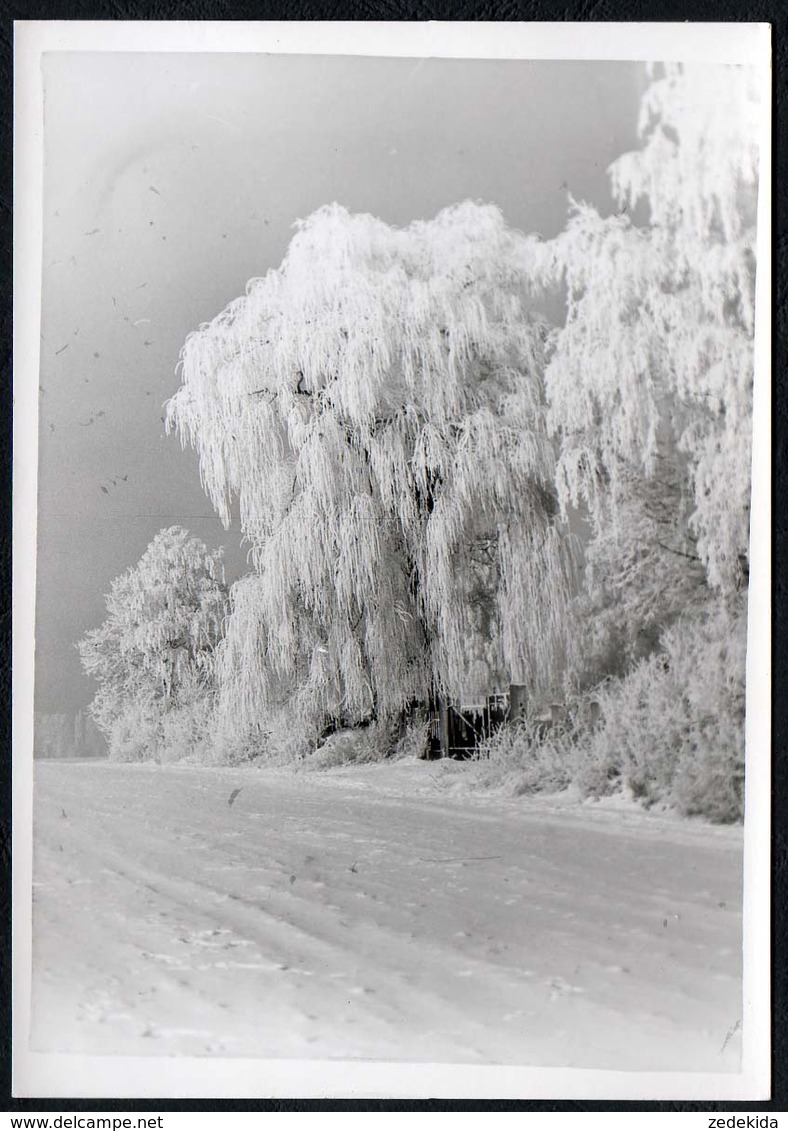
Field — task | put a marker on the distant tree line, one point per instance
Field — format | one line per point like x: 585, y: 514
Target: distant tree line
x: 59, y: 734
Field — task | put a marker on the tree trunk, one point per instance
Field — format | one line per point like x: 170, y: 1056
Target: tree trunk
x: 443, y: 717
x: 518, y: 702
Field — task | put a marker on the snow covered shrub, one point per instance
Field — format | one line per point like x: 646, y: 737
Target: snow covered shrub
x: 412, y: 742
x: 527, y: 757
x: 187, y: 732
x: 711, y: 784
x: 133, y: 733
x: 644, y: 717
x: 289, y: 737
x: 672, y: 729
x: 710, y: 660
x: 281, y: 735
x: 362, y: 744
x: 238, y: 749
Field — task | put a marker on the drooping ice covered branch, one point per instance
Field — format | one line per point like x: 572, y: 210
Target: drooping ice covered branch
x: 376, y: 407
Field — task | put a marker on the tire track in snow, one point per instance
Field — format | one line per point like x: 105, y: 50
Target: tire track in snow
x: 410, y: 975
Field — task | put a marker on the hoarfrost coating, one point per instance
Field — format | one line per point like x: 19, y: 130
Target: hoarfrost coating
x: 385, y: 406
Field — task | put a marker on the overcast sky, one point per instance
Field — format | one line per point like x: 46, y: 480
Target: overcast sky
x: 170, y: 180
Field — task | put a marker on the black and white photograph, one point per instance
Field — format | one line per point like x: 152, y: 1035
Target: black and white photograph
x: 394, y: 692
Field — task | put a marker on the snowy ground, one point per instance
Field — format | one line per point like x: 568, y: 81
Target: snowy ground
x: 373, y: 912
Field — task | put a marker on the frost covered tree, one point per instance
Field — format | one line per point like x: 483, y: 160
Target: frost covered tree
x: 154, y: 655
x: 376, y: 407
x: 650, y: 381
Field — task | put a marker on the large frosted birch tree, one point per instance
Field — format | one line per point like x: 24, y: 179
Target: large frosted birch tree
x: 375, y: 407
x: 650, y: 381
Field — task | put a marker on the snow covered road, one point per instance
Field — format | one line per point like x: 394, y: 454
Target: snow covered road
x: 373, y: 913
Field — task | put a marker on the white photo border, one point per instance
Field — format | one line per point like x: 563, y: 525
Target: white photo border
x: 50, y: 1075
